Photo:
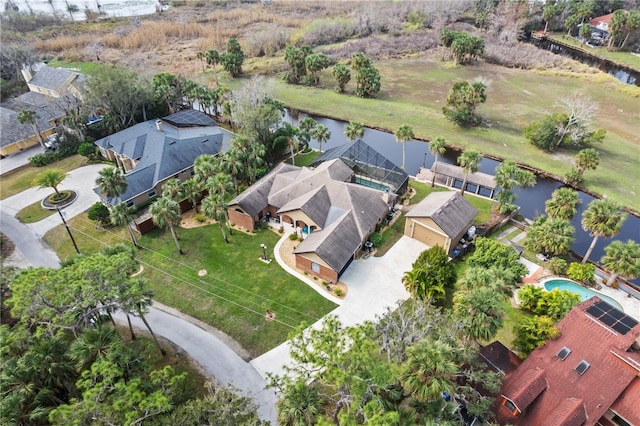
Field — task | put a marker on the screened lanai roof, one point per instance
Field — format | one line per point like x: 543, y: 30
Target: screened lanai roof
x: 368, y: 163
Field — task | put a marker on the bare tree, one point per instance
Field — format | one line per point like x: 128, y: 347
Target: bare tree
x: 580, y: 110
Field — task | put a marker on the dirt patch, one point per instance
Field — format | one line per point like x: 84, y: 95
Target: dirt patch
x: 286, y: 253
x: 7, y: 246
x: 189, y: 220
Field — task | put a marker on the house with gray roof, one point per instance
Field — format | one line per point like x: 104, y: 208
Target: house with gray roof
x: 154, y: 151
x: 441, y: 219
x: 334, y: 214
x: 53, y: 92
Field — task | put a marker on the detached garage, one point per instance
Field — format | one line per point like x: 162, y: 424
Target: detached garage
x: 442, y: 219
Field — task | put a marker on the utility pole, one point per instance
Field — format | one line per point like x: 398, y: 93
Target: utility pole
x: 68, y: 230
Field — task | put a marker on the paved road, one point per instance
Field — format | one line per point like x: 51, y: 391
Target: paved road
x: 33, y: 248
x: 207, y: 350
x: 215, y: 357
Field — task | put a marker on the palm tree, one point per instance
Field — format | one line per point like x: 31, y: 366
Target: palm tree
x: 438, y: 147
x: 353, y: 131
x: 172, y: 189
x: 28, y: 116
x: 602, y: 218
x: 622, y: 259
x: 121, y: 215
x: 307, y: 126
x: 403, y: 135
x: 481, y: 311
x: 215, y: 208
x: 93, y: 344
x: 563, y: 203
x: 50, y: 179
x: 587, y: 159
x: 470, y: 162
x: 299, y: 405
x: 192, y: 190
x: 206, y: 165
x: 213, y: 58
x: 256, y: 153
x: 429, y: 370
x: 166, y: 213
x: 112, y: 183
x: 549, y: 235
x: 321, y: 134
x: 201, y: 56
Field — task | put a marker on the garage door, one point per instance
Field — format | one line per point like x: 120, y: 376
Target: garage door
x: 427, y: 236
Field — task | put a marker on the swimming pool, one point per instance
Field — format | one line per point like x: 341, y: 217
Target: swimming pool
x: 585, y: 293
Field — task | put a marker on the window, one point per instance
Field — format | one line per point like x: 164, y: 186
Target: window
x: 582, y: 367
x: 620, y: 421
x: 315, y: 267
x: 511, y: 407
x: 130, y: 203
x: 152, y: 193
x: 564, y: 353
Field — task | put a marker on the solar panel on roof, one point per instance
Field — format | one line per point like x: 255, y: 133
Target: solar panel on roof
x: 612, y: 317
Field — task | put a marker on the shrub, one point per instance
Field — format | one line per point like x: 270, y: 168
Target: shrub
x: 338, y: 292
x: 584, y: 273
x: 315, y: 278
x: 293, y: 237
x: 558, y: 266
x: 199, y: 218
x: 88, y: 149
x: 376, y: 238
x: 281, y: 230
x: 99, y: 212
x: 41, y: 160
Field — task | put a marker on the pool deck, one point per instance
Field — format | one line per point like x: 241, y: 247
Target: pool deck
x: 537, y: 275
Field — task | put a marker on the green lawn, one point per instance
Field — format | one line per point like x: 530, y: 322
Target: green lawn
x: 513, y: 317
x: 33, y: 213
x: 89, y: 238
x: 18, y: 181
x: 236, y: 291
x: 305, y: 159
x: 415, y: 89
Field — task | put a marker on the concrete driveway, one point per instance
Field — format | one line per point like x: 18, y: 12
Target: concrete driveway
x: 374, y: 284
x: 81, y: 180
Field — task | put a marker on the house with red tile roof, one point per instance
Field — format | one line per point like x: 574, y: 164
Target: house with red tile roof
x: 590, y: 375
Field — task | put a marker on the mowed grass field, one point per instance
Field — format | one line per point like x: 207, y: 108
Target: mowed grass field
x: 414, y: 91
x: 234, y: 294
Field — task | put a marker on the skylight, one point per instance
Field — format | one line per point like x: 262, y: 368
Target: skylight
x: 564, y: 353
x: 582, y: 367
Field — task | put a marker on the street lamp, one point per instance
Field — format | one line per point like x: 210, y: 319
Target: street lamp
x: 264, y: 251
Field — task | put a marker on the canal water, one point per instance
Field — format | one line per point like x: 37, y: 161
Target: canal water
x: 530, y: 200
x: 625, y: 75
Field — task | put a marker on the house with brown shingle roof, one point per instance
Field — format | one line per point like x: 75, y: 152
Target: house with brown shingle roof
x: 589, y: 375
x: 334, y: 214
x: 441, y: 219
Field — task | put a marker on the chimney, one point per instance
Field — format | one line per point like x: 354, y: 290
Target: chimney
x: 159, y: 125
x: 26, y: 73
